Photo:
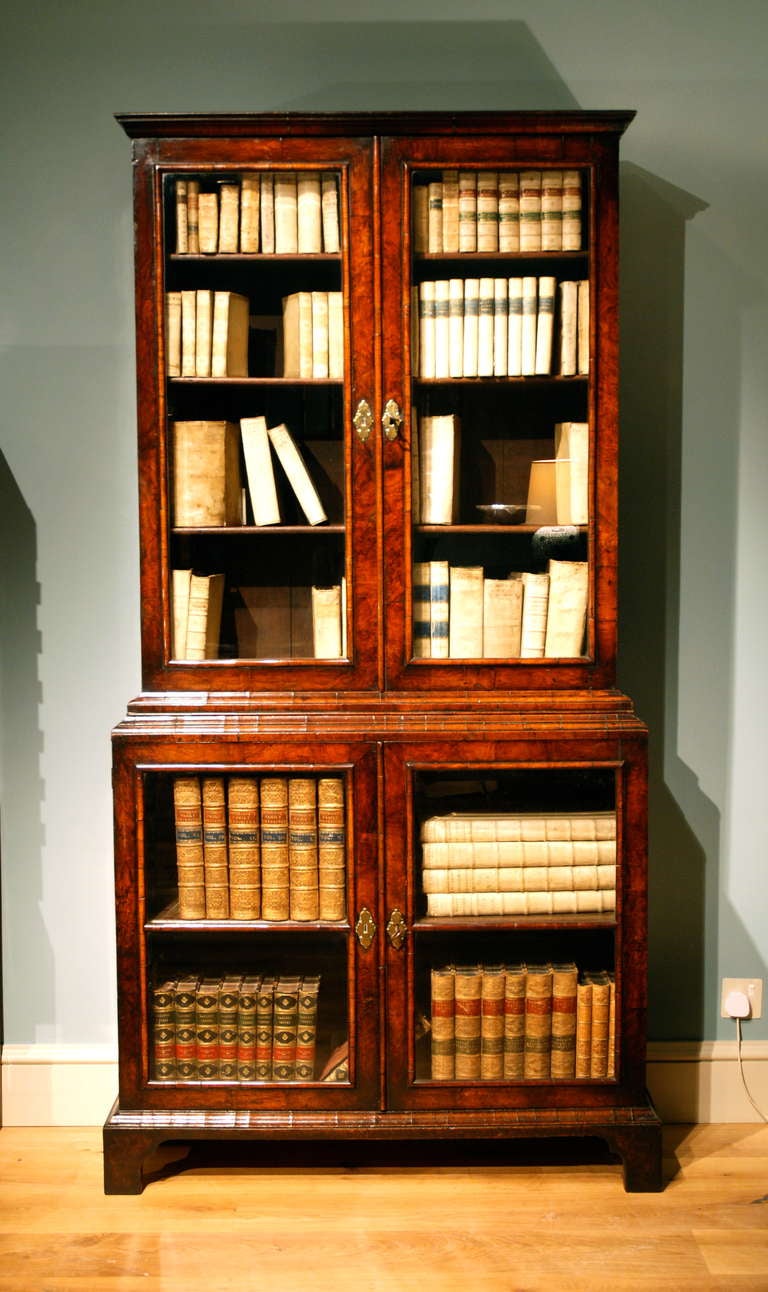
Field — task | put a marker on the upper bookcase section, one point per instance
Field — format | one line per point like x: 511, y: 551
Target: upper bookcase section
x: 377, y: 401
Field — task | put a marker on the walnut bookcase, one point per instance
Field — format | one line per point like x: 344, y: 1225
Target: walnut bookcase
x: 389, y: 654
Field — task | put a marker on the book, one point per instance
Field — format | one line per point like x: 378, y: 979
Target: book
x: 229, y: 999
x: 534, y: 617
x: 286, y: 213
x: 243, y: 848
x: 298, y: 335
x: 471, y: 326
x: 439, y: 448
x: 331, y: 848
x: 571, y: 211
x: 216, y: 869
x: 164, y: 1029
x: 330, y: 213
x: 442, y: 327
x: 559, y: 902
x: 229, y: 346
x: 568, y: 301
x: 185, y: 1018
x: 246, y: 1027
x: 583, y: 1040
x: 567, y: 608
x: 262, y: 490
x: 173, y: 334
x: 467, y: 210
x: 516, y: 827
x: 293, y: 464
x: 188, y: 333
x: 456, y: 327
x: 306, y: 1028
x: 421, y: 611
x: 250, y: 214
x: 486, y: 851
x: 207, y: 1029
x: 500, y: 326
x: 492, y: 1023
x: 309, y: 213
x: 265, y: 1001
x: 327, y: 632
x: 229, y: 218
x: 563, y: 1060
x: 509, y: 210
x: 552, y: 210
x: 206, y: 596
x: 502, y: 617
x: 188, y: 823
x: 267, y: 212
x: 303, y: 871
x: 538, y: 1022
x: 529, y: 325
x: 193, y: 217
x: 427, y: 324
x: 600, y: 1026
x: 485, y: 328
x: 275, y: 892
x: 285, y: 1027
x: 442, y: 1012
x: 450, y: 212
x: 468, y: 982
x: 545, y: 326
x: 208, y: 222
x: 180, y: 584
x: 206, y: 474
x: 515, y: 327
x: 530, y: 210
x: 514, y: 1021
x: 336, y: 336
x: 203, y: 332
x: 452, y: 878
x: 438, y: 609
x: 320, y: 335
x: 487, y: 211
x: 435, y: 216
x: 182, y: 224
x: 465, y: 613
x: 582, y: 327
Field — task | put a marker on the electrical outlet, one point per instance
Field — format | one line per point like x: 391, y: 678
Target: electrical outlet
x: 753, y: 990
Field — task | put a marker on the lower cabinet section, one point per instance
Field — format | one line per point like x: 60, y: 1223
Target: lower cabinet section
x: 434, y: 927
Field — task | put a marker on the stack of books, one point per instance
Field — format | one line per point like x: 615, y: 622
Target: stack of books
x: 508, y: 211
x: 502, y: 327
x: 519, y: 864
x: 235, y: 1028
x: 461, y: 613
x: 270, y: 847
x: 522, y: 1023
x: 272, y: 212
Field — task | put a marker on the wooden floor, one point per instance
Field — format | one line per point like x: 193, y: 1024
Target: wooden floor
x: 296, y: 1223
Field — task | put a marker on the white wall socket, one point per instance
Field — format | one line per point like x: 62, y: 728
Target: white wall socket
x: 753, y: 990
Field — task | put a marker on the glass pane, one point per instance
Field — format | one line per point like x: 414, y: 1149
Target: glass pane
x: 247, y: 942
x: 254, y: 348
x: 500, y: 463
x: 515, y: 893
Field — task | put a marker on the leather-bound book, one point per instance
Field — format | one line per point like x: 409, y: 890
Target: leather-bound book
x: 188, y: 816
x: 275, y: 893
x: 215, y: 848
x: 306, y: 1028
x: 443, y: 1033
x: 244, y: 848
x: 303, y: 849
x: 331, y: 848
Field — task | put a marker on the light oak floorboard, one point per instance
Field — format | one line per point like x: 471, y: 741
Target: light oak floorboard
x: 517, y: 1225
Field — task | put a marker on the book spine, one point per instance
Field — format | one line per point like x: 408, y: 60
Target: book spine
x: 229, y: 218
x: 500, y: 326
x: 450, y: 231
x: 421, y: 610
x: 215, y: 849
x: 485, y: 328
x: 207, y: 1029
x: 427, y: 325
x: 487, y: 211
x: 164, y: 1031
x: 529, y: 325
x: 435, y: 216
x: 188, y: 814
x: 583, y: 1029
x: 571, y: 211
x: 185, y: 1013
x: 515, y: 327
x: 568, y: 298
x: 601, y: 1013
x: 331, y: 848
x: 306, y: 1028
x: 443, y: 1038
x: 468, y: 990
x: 564, y: 979
x: 471, y: 326
x: 286, y: 214
x: 450, y: 851
x: 330, y: 213
x: 244, y: 850
x: 456, y: 327
x: 517, y: 879
x: 438, y: 609
x: 193, y: 217
x: 552, y: 210
x: 208, y: 223
x: 182, y: 218
x: 267, y: 212
x: 275, y: 896
x: 517, y: 827
x: 229, y: 997
x: 173, y: 334
x: 188, y: 333
x: 492, y: 1023
x: 302, y: 849
x: 538, y: 1022
x: 559, y: 902
x: 246, y: 1028
x: 249, y: 214
x: 467, y: 210
x: 582, y: 327
x: 284, y: 1035
x: 309, y: 213
x: 530, y: 210
x: 509, y: 211
x: 465, y: 615
x: 514, y: 1022
x: 265, y: 1001
x: 545, y: 326
x: 534, y: 622
x: 320, y: 335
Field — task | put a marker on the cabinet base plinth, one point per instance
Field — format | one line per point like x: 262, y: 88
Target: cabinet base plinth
x: 130, y: 1136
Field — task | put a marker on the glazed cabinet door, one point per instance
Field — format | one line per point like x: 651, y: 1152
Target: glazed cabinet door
x: 258, y: 483
x: 500, y: 376
x: 247, y: 910
x: 516, y: 916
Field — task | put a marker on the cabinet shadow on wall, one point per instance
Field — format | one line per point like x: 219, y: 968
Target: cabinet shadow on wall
x: 21, y: 743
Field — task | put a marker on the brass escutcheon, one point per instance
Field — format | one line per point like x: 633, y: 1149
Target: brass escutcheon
x: 397, y: 929
x: 391, y: 420
x: 365, y: 928
x: 363, y: 420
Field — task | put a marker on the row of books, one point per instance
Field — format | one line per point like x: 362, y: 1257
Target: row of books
x: 558, y: 488
x: 522, y: 1023
x: 235, y: 1028
x: 502, y: 327
x: 272, y: 212
x: 313, y: 335
x: 270, y: 847
x: 507, y: 210
x: 460, y: 613
x: 206, y: 333
x: 207, y: 477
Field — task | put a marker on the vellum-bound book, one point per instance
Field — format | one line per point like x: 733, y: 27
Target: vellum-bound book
x: 502, y: 617
x: 567, y: 610
x: 517, y: 827
x: 327, y: 622
x: 293, y: 464
x: 286, y: 213
x: 229, y: 218
x: 259, y: 471
x: 229, y: 345
x: 572, y: 472
x: 206, y: 474
x: 206, y: 596
x: 309, y: 203
x: 439, y: 444
x: 465, y: 614
x: 534, y: 625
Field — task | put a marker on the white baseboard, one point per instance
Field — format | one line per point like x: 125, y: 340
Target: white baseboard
x: 75, y: 1085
